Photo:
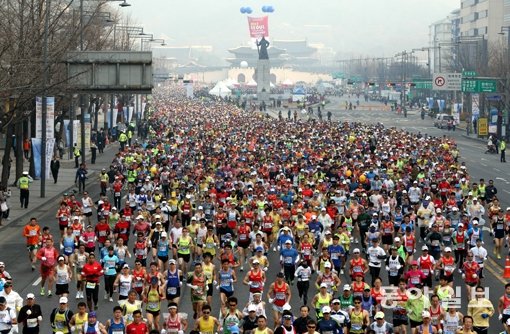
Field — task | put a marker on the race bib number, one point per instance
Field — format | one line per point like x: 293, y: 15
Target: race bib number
x: 91, y: 285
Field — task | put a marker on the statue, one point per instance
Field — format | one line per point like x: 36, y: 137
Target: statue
x: 262, y: 48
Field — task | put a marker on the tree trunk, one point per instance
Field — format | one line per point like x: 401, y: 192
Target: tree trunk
x: 19, y: 149
x: 6, y: 160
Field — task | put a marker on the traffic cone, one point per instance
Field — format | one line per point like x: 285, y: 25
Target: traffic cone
x: 506, y: 274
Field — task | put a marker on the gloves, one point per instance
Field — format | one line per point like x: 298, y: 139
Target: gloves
x: 30, y: 312
x: 265, y: 268
x: 271, y: 300
x: 73, y: 328
x: 500, y: 317
x: 43, y: 258
x: 387, y: 268
x: 463, y: 276
x: 39, y: 318
x: 485, y: 315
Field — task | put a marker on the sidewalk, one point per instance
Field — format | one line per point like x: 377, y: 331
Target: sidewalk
x: 54, y: 191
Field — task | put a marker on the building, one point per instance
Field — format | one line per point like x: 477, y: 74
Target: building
x: 482, y: 18
x: 289, y: 53
x: 444, y: 36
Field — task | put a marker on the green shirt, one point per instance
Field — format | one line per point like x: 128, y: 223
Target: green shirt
x: 415, y: 307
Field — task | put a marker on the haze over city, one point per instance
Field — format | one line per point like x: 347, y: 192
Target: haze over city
x: 350, y: 28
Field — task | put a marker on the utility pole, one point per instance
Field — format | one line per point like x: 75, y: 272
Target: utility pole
x: 44, y: 108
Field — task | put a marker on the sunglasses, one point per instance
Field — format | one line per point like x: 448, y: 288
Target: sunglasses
x: 206, y: 312
x: 310, y: 327
x: 232, y: 304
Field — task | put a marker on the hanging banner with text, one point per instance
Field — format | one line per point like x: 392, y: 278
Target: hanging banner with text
x: 258, y: 26
x: 50, y: 117
x: 36, y: 151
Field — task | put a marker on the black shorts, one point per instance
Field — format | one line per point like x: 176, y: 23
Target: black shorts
x: 154, y: 313
x: 505, y: 318
x: 170, y: 296
x: 184, y: 257
x: 88, y: 214
x: 244, y: 244
x: 400, y: 322
x: 163, y: 259
x: 499, y: 234
x: 448, y: 278
x: 62, y: 227
x: 61, y: 289
x: 227, y: 293
x: 387, y: 239
x: 209, y: 289
x: 415, y: 324
x: 472, y: 284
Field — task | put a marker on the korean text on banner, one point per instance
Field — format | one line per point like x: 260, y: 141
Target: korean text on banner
x: 50, y: 117
x: 258, y: 26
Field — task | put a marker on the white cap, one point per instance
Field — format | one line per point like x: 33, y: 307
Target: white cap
x: 63, y: 300
x: 323, y: 285
x: 193, y: 218
x: 327, y: 265
x: 455, y: 208
x: 427, y: 198
x: 163, y: 234
x: 356, y: 250
x: 252, y: 308
x: 460, y: 225
x: 508, y: 322
x: 326, y: 309
x: 475, y: 199
x: 201, y: 208
x: 404, y: 191
x: 288, y: 242
x: 438, y: 210
x: 25, y: 172
x: 470, y: 193
x: 379, y: 315
x: 347, y: 287
x: 139, y: 217
x: 30, y: 296
x: 424, y: 248
x: 397, y: 239
x: 255, y: 261
x: 447, y: 249
x: 475, y: 222
x: 328, y: 232
x: 114, y: 208
x: 76, y: 218
x: 425, y: 314
x: 323, y: 209
x: 314, y: 216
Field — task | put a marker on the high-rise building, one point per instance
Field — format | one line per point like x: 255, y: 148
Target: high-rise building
x: 482, y: 18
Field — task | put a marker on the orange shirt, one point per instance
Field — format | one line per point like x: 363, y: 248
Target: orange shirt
x: 32, y: 233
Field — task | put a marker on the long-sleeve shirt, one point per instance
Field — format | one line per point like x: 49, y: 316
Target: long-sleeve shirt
x: 476, y: 308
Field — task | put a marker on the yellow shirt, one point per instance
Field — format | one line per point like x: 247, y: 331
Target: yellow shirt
x: 208, y: 271
x: 206, y: 326
x: 476, y: 308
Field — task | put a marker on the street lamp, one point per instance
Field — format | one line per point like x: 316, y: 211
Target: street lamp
x: 44, y: 107
x: 129, y: 30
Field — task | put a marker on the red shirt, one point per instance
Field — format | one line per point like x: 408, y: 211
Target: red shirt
x: 92, y: 272
x: 102, y: 230
x: 134, y: 328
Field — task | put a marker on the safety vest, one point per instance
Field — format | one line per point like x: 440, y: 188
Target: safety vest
x: 76, y: 152
x: 23, y: 182
x: 123, y: 137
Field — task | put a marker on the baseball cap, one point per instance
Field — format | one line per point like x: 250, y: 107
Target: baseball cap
x: 171, y: 261
x: 425, y: 314
x: 252, y: 308
x: 397, y: 239
x: 424, y: 248
x: 326, y: 309
x: 30, y: 296
x: 356, y: 251
x: 164, y: 234
x: 92, y: 314
x: 288, y: 242
x: 347, y: 287
x: 447, y: 249
x: 259, y: 249
x: 2, y: 264
x: 323, y: 285
x: 414, y: 263
x: 379, y: 315
x: 125, y: 266
x: 327, y: 265
x: 255, y: 261
x: 63, y: 300
x: 475, y: 222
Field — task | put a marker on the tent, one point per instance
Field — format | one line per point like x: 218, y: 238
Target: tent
x: 220, y: 90
x: 287, y: 82
x: 251, y: 83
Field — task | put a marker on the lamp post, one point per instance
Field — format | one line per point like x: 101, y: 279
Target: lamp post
x: 82, y: 102
x: 129, y: 30
x: 44, y: 108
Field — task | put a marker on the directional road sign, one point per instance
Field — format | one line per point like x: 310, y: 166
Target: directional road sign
x: 447, y: 81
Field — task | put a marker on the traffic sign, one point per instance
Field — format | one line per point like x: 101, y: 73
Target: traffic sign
x: 422, y: 84
x: 468, y: 74
x: 483, y: 128
x: 474, y: 85
x: 446, y: 81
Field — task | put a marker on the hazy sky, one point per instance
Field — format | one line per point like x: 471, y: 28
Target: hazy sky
x: 351, y: 27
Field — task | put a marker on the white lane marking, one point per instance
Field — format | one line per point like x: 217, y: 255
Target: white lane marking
x: 508, y: 192
x: 37, y: 282
x: 485, y: 165
x: 497, y: 170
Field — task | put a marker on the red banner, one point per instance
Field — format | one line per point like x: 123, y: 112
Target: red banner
x: 258, y: 26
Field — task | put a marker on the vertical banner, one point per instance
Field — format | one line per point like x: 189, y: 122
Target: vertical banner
x: 258, y: 26
x: 143, y: 110
x: 50, y: 147
x: 36, y: 151
x: 130, y: 113
x: 475, y: 106
x: 76, y: 131
x: 50, y: 117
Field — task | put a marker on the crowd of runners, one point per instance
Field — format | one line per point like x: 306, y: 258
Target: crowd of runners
x: 370, y: 225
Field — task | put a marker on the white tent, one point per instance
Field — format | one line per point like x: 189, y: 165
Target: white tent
x: 231, y: 83
x: 220, y: 90
x: 251, y: 83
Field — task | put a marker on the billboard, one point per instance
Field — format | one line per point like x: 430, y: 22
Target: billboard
x: 258, y: 26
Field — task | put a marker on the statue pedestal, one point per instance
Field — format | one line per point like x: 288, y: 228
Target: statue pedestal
x: 263, y: 81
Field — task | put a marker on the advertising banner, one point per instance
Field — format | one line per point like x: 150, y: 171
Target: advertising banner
x: 258, y: 26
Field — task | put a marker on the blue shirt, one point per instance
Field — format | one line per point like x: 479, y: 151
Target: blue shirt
x: 329, y: 326
x: 110, y: 263
x: 284, y: 237
x: 336, y: 252
x: 289, y: 256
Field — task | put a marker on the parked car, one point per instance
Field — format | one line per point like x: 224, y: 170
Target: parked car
x: 441, y: 120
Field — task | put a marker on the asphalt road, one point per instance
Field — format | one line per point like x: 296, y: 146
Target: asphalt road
x: 12, y: 249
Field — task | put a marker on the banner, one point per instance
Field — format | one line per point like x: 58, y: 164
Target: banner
x: 50, y: 117
x: 37, y: 152
x: 475, y: 109
x: 258, y: 26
